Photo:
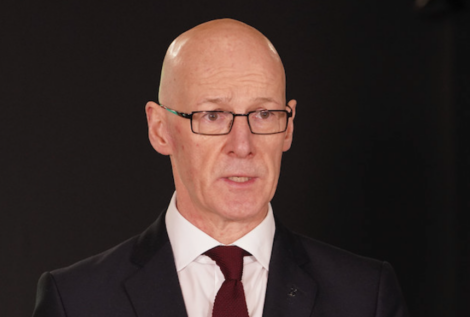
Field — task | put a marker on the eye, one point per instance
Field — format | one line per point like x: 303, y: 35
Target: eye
x: 212, y: 116
x: 264, y: 114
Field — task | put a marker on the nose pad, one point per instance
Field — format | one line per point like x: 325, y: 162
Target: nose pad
x: 246, y: 120
x: 239, y: 141
x: 231, y: 124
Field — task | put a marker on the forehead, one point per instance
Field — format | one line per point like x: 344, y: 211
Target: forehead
x: 229, y: 68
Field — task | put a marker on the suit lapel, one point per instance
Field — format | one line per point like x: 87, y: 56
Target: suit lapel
x: 154, y: 289
x: 290, y: 291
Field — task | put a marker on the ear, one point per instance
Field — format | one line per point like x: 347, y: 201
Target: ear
x: 290, y: 127
x: 158, y: 132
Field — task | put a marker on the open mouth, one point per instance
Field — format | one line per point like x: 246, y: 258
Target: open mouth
x: 239, y: 179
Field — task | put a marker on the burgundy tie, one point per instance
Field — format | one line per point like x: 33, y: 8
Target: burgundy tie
x: 230, y: 299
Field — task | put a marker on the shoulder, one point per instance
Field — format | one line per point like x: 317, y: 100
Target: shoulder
x: 105, y: 266
x: 322, y: 254
x: 86, y: 286
x: 334, y: 269
x: 342, y: 283
x: 345, y: 279
x: 344, y: 275
x: 97, y: 285
x: 120, y: 260
x: 335, y: 265
x: 311, y: 252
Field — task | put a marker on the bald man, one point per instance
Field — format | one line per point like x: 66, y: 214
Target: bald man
x: 223, y: 120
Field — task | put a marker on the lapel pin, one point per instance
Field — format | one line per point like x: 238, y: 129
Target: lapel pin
x: 292, y: 292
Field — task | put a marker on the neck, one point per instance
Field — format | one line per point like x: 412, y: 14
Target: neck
x: 225, y: 231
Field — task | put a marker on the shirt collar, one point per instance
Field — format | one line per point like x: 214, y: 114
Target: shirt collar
x: 188, y: 242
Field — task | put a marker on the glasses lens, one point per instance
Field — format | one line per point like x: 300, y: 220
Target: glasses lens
x: 268, y: 121
x: 212, y: 122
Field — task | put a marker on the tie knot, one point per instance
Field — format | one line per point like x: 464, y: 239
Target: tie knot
x: 229, y: 259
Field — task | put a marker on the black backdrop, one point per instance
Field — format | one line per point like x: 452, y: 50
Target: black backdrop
x: 379, y: 164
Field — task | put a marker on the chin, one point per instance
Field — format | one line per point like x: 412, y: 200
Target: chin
x: 244, y: 210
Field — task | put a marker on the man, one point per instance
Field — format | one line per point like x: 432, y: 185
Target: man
x: 224, y: 122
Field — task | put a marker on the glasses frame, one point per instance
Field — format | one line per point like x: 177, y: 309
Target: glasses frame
x: 190, y: 117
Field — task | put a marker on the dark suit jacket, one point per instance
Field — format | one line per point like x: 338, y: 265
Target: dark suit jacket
x: 138, y: 278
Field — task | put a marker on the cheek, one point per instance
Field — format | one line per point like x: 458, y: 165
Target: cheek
x: 179, y: 140
x: 273, y: 157
x: 177, y: 129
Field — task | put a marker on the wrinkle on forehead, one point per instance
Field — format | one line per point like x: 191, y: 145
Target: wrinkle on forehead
x: 213, y: 46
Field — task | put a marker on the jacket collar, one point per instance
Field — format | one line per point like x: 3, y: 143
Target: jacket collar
x: 291, y: 291
x: 155, y: 289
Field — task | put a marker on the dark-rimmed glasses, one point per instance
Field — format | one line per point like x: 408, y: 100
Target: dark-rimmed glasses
x: 220, y: 122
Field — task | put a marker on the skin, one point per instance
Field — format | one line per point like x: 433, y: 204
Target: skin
x: 224, y: 183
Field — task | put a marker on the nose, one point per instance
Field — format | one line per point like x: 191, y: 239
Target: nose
x: 240, y: 139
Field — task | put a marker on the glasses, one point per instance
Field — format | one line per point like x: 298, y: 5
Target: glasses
x: 221, y: 122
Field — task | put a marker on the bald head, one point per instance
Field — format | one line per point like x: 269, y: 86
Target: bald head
x: 211, y: 47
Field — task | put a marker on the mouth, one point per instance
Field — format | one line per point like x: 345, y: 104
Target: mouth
x: 239, y: 179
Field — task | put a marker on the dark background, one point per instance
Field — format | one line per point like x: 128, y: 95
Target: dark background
x: 379, y: 164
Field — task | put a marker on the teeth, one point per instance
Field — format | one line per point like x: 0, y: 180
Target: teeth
x: 239, y: 179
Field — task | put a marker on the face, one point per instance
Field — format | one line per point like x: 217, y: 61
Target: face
x: 230, y: 177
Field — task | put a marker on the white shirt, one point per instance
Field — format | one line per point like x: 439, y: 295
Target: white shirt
x: 200, y: 277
